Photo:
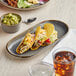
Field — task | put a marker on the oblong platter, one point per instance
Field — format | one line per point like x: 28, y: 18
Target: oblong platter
x: 30, y: 8
x: 60, y: 27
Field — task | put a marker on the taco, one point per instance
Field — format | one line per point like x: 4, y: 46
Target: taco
x: 26, y: 43
x: 51, y: 34
x: 39, y: 38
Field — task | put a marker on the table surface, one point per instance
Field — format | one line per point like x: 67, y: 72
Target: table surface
x: 64, y: 10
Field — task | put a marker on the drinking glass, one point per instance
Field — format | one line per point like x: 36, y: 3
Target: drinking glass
x: 64, y: 61
x: 41, y: 69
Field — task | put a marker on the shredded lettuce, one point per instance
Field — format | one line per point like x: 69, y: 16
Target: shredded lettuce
x: 53, y: 36
x: 23, y: 4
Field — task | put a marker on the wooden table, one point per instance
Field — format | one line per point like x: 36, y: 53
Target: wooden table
x: 64, y: 10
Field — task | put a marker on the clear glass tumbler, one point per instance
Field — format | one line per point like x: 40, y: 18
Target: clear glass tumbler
x: 41, y: 69
x: 64, y: 61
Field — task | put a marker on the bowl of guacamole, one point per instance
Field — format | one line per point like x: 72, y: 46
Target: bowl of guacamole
x: 10, y: 22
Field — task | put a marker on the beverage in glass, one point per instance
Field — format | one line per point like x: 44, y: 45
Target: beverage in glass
x: 64, y: 61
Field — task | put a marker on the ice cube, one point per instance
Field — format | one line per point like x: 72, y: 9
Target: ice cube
x: 65, y: 60
x: 57, y: 74
x: 63, y: 72
x: 70, y: 56
x: 67, y: 67
x: 58, y: 58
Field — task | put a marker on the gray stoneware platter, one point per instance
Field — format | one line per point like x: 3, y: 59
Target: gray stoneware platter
x: 43, y: 3
x: 60, y: 27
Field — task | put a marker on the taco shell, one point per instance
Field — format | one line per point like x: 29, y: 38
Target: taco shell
x: 49, y: 28
x: 26, y: 43
x: 51, y: 33
x: 40, y: 37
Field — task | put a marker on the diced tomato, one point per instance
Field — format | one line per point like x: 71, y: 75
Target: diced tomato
x: 39, y: 42
x: 48, y: 41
